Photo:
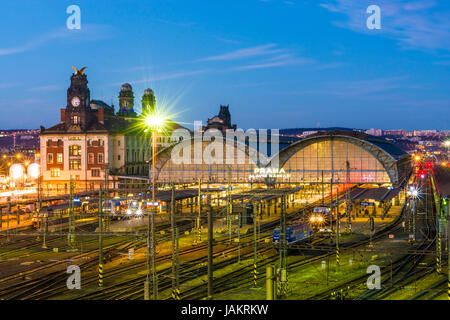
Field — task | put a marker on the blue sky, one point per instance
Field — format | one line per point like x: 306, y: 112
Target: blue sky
x: 277, y: 63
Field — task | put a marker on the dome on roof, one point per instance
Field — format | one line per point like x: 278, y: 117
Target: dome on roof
x: 148, y: 91
x: 126, y: 87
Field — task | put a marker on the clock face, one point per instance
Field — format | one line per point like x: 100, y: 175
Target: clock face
x: 75, y: 101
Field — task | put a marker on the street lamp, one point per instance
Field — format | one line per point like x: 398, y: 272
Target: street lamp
x: 154, y: 123
x: 447, y: 144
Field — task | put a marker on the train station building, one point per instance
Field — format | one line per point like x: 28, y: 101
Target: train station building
x: 336, y: 157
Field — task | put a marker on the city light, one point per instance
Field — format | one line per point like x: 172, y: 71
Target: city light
x: 16, y: 171
x: 413, y: 192
x: 33, y: 170
x: 154, y: 122
x: 417, y: 158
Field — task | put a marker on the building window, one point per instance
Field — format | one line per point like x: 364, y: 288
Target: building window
x: 100, y: 142
x: 100, y: 158
x: 90, y: 143
x: 75, y: 150
x: 118, y: 157
x: 118, y: 143
x: 59, y: 158
x: 49, y: 143
x: 50, y: 158
x: 75, y: 164
x: 55, y: 172
x: 95, y: 172
x: 91, y: 158
x: 75, y: 119
x: 60, y: 143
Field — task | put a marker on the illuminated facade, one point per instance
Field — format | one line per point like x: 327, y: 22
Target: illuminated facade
x: 92, y: 142
x: 331, y: 157
x: 241, y: 163
x: 344, y: 158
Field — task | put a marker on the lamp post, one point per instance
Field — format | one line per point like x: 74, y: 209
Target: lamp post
x: 154, y: 123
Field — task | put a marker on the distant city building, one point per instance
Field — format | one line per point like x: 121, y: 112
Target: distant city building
x: 222, y: 121
x: 375, y: 132
x: 397, y: 132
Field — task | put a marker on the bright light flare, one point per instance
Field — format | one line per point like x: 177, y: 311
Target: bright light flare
x: 155, y: 121
x: 34, y: 170
x: 16, y: 171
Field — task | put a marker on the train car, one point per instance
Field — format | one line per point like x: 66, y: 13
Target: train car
x: 135, y: 208
x: 321, y: 218
x: 295, y: 233
x: 115, y: 207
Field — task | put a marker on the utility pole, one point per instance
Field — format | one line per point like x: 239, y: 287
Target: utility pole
x: 414, y: 218
x: 438, y: 243
x: 198, y: 225
x: 7, y: 219
x: 71, y: 236
x: 151, y: 243
x: 44, y: 243
x: 338, y: 223
x: 323, y: 191
x: 255, y: 239
x: 229, y: 205
x: 347, y: 198
x: 100, y: 239
x: 210, y: 249
x: 283, y: 248
x: 175, y: 291
x: 106, y: 193
x: 177, y: 263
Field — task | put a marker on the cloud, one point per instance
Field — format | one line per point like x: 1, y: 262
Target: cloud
x: 263, y: 50
x: 277, y: 61
x: 359, y: 88
x: 419, y: 24
x: 51, y: 87
x: 7, y: 85
x: 87, y: 32
x: 265, y: 56
x: 165, y: 76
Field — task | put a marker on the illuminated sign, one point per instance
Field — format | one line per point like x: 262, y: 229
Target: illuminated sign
x: 367, y: 203
x: 269, y: 173
x: 152, y: 204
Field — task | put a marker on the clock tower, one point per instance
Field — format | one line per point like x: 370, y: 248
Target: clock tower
x: 78, y: 100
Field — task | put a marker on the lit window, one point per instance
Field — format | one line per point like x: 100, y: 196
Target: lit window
x: 55, y: 172
x: 91, y: 158
x: 75, y: 164
x: 59, y: 158
x: 75, y: 119
x: 75, y: 150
